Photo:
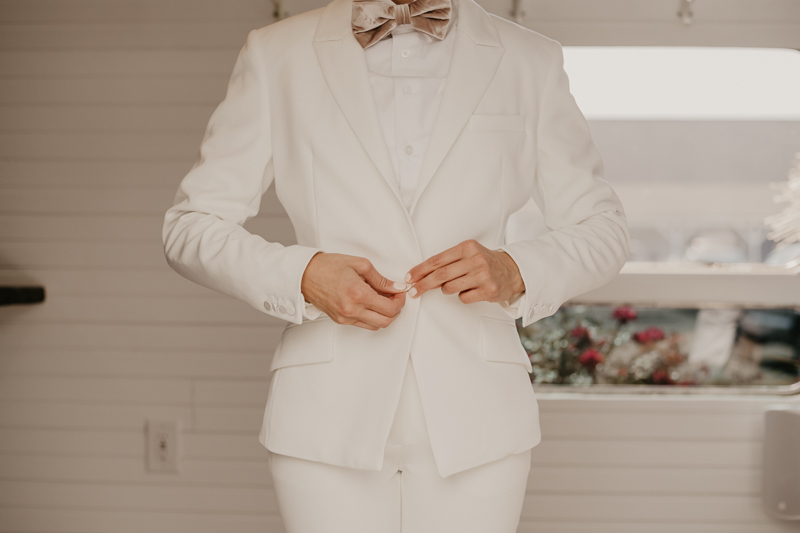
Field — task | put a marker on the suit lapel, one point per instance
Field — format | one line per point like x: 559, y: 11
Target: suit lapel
x: 476, y: 56
x: 344, y: 66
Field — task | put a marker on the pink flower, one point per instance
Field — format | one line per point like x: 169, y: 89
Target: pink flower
x: 591, y: 358
x: 661, y: 377
x: 580, y: 332
x: 648, y: 335
x: 624, y: 314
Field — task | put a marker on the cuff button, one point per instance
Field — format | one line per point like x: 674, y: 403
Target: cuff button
x: 282, y: 309
x: 268, y: 306
x: 290, y: 308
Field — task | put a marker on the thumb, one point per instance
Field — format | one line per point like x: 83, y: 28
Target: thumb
x: 382, y: 284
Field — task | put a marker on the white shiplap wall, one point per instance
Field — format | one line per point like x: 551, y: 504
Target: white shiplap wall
x: 103, y: 104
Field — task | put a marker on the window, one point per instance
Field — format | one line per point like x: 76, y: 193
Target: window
x: 691, y: 138
x: 697, y: 142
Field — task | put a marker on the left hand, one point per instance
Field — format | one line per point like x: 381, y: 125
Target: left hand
x: 470, y: 269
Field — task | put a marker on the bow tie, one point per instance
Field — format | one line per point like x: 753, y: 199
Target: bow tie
x: 375, y: 19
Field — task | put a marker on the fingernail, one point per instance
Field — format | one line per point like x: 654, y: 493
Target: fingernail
x: 412, y: 292
x: 399, y: 286
x: 408, y: 277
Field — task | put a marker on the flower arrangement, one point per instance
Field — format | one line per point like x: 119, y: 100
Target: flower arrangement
x: 576, y: 348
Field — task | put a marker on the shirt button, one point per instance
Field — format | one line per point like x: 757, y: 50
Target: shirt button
x: 405, y: 53
x: 409, y: 149
x: 407, y: 89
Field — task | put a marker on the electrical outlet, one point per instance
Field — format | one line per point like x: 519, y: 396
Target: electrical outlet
x: 162, y: 446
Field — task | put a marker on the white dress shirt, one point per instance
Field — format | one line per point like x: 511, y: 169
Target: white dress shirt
x: 407, y: 73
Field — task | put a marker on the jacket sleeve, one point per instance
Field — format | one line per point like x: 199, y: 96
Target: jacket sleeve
x: 588, y: 242
x: 203, y: 235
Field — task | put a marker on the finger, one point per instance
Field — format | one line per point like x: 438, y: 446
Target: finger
x: 464, y: 283
x: 387, y: 305
x: 372, y: 318
x: 434, y: 262
x: 440, y: 276
x: 377, y: 281
x: 365, y: 326
x: 398, y: 301
x: 471, y: 296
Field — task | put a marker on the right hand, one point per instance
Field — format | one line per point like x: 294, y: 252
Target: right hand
x: 349, y: 290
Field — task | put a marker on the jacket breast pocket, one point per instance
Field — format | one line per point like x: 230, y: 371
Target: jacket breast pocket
x: 306, y: 343
x: 514, y: 123
x: 500, y: 342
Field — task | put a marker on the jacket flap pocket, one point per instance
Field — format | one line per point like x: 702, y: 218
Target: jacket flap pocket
x: 300, y: 344
x: 497, y: 123
x: 500, y: 342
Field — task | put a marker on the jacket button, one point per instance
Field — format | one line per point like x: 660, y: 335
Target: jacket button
x: 268, y: 306
x: 282, y: 309
x: 290, y: 308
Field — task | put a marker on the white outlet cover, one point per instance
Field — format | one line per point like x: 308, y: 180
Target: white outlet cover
x: 162, y: 446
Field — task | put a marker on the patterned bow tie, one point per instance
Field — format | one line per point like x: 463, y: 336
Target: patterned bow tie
x: 375, y: 19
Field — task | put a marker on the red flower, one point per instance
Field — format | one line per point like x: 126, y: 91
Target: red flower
x: 580, y: 332
x: 624, y: 314
x: 591, y: 358
x: 661, y: 377
x: 648, y: 335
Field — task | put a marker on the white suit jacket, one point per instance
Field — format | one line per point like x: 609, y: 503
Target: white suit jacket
x: 299, y: 112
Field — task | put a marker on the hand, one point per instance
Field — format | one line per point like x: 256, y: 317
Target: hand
x: 470, y: 269
x: 349, y: 290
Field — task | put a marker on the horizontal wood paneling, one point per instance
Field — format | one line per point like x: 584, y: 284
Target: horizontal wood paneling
x: 256, y: 501
x: 612, y: 451
x: 97, y: 390
x: 54, y: 520
x: 117, y: 63
x: 108, y: 146
x: 597, y: 526
x: 202, y: 338
x: 98, y: 174
x: 82, y: 361
x: 125, y: 229
x: 110, y: 283
x: 90, y: 415
x: 140, y: 310
x: 103, y: 91
x: 128, y: 11
x: 186, y: 118
x: 84, y: 34
x: 642, y: 508
x: 46, y: 201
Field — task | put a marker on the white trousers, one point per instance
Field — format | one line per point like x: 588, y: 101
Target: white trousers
x: 408, y: 495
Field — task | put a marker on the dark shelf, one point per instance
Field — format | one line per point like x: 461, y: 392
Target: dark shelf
x: 21, y: 295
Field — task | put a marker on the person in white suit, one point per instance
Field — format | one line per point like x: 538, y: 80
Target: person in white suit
x: 400, y: 138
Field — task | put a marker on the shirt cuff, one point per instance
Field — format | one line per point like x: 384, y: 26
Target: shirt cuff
x: 515, y: 305
x: 310, y: 312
